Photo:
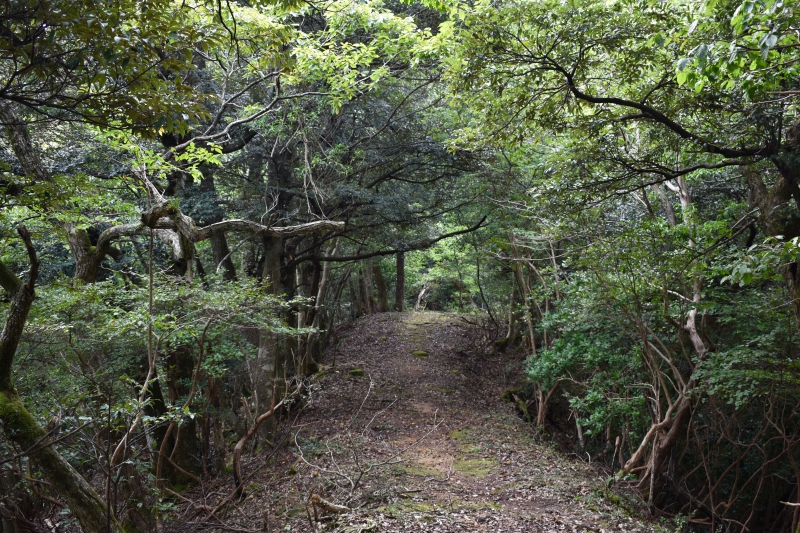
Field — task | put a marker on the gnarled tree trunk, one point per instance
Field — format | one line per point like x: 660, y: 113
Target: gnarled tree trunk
x: 89, y: 256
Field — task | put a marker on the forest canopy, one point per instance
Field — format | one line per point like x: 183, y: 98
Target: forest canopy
x: 194, y: 195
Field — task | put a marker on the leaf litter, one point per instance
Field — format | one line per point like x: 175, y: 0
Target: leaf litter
x: 390, y: 441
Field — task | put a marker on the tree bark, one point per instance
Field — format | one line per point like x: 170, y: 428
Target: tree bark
x: 180, y: 442
x: 337, y: 297
x: 17, y: 131
x: 669, y: 212
x: 380, y: 284
x: 89, y: 257
x: 21, y: 298
x: 313, y: 345
x: 218, y: 240
x: 400, y: 288
x: 269, y: 363
x: 355, y: 295
x: 668, y: 442
x: 511, y: 322
x: 222, y: 256
x: 778, y: 216
x: 316, y: 277
x: 369, y: 297
x: 21, y: 428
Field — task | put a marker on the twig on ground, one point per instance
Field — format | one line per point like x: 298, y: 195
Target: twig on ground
x: 325, y: 505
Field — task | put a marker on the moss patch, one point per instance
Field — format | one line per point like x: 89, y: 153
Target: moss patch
x: 228, y: 468
x: 502, y: 344
x: 128, y: 527
x: 417, y: 470
x: 253, y: 487
x: 458, y: 434
x: 420, y: 353
x: 512, y: 395
x: 17, y: 420
x: 474, y: 467
x: 356, y: 372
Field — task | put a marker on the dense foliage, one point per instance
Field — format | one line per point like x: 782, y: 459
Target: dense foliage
x: 193, y: 195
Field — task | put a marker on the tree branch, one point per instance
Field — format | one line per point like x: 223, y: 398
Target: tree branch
x: 21, y: 296
x: 21, y: 142
x: 416, y: 245
x: 661, y: 118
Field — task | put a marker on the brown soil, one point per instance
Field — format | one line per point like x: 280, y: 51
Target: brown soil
x: 409, y: 441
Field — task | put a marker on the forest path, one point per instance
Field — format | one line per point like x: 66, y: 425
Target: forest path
x: 407, y: 411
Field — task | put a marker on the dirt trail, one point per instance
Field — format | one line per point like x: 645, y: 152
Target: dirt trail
x: 409, y: 430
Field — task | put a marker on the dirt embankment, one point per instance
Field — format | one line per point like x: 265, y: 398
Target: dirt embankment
x: 405, y: 430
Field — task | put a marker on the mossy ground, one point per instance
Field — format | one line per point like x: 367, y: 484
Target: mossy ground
x: 474, y: 467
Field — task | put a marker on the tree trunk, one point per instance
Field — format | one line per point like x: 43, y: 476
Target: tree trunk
x: 18, y: 424
x: 271, y: 273
x: 17, y: 131
x: 668, y: 442
x: 21, y: 428
x: 86, y: 261
x: 355, y: 296
x: 219, y: 242
x: 380, y: 283
x: 313, y: 345
x: 316, y: 276
x: 337, y: 297
x: 669, y: 212
x: 299, y: 282
x: 87, y: 258
x: 778, y: 206
x: 308, y: 345
x: 369, y: 298
x: 183, y: 447
x: 222, y: 256
x: 419, y: 298
x: 182, y: 250
x: 400, y: 288
x: 249, y: 259
x: 89, y: 255
x: 544, y: 401
x: 511, y: 322
x: 664, y: 444
x: 525, y: 292
x: 269, y: 362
